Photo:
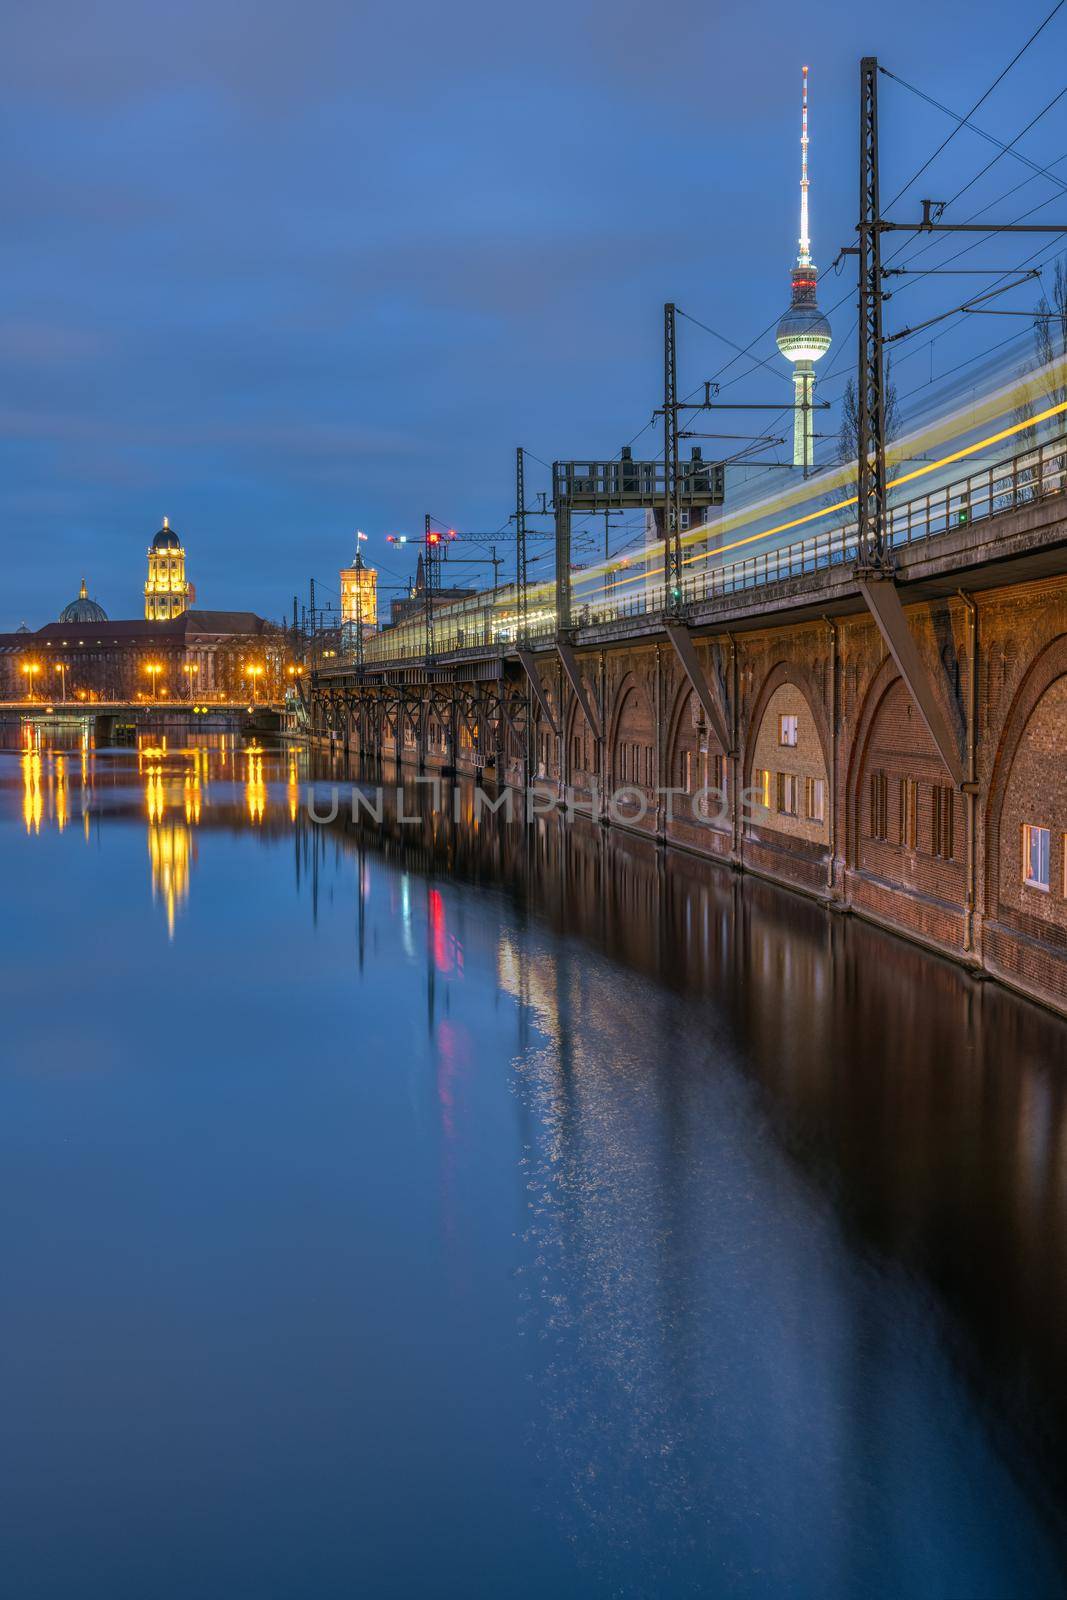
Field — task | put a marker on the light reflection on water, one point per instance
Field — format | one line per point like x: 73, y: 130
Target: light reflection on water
x: 504, y: 1211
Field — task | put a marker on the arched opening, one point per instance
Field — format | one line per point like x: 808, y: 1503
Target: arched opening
x: 632, y: 741
x: 1026, y: 836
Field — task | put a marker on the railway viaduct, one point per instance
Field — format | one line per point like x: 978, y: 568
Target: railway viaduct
x: 902, y: 758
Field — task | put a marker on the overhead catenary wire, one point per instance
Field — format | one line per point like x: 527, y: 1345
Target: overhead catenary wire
x: 982, y: 98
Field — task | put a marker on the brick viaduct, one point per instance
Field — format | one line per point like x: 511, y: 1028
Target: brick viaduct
x: 945, y: 822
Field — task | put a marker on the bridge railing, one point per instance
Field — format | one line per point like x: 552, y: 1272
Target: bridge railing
x: 1007, y: 485
x: 481, y: 623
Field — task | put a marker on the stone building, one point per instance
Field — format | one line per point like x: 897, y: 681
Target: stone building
x: 197, y: 655
x: 167, y: 591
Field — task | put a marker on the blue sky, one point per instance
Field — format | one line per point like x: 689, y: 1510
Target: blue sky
x: 281, y: 271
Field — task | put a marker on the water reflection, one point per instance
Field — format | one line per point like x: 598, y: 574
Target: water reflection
x: 176, y: 779
x: 746, y: 1226
x: 928, y: 1112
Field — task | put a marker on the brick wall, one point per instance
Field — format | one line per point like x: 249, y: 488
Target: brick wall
x: 895, y: 840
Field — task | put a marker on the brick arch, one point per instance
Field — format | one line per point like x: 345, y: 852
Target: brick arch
x: 787, y: 672
x: 1046, y: 673
x: 575, y: 725
x: 681, y: 701
x: 873, y: 700
x: 629, y: 697
x: 628, y: 685
x: 919, y: 848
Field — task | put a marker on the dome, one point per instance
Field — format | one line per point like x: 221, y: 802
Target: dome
x: 83, y: 609
x: 166, y: 538
x: 803, y: 333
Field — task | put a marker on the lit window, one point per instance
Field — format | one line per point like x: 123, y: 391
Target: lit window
x: 787, y: 730
x: 1035, y: 857
x: 814, y: 799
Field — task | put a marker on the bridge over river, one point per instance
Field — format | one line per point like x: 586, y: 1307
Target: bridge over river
x: 892, y: 741
x: 119, y: 721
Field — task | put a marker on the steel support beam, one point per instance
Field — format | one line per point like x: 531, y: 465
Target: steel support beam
x: 681, y: 639
x: 530, y: 669
x: 563, y: 568
x: 870, y: 392
x: 883, y: 602
x: 574, y: 678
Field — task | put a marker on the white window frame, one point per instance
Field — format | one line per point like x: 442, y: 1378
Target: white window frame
x: 788, y: 722
x: 1030, y: 830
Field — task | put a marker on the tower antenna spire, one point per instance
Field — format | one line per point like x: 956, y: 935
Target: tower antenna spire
x: 804, y: 259
x: 804, y: 333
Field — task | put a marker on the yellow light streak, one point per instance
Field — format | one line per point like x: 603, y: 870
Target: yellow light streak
x: 841, y: 505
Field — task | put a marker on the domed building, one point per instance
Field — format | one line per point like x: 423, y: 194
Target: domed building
x: 167, y: 592
x: 83, y: 609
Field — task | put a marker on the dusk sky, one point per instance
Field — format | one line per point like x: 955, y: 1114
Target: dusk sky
x: 280, y: 271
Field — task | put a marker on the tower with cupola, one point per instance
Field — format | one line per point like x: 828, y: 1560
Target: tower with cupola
x: 167, y: 592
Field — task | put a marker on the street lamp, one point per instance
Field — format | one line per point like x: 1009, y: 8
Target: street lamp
x: 30, y: 669
x: 190, y: 668
x: 61, y: 667
x: 253, y: 672
x: 153, y: 669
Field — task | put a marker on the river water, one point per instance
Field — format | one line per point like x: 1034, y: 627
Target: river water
x: 464, y: 1208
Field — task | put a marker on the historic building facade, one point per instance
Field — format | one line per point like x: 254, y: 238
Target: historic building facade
x: 175, y: 653
x: 359, y: 593
x: 208, y: 655
x: 167, y: 591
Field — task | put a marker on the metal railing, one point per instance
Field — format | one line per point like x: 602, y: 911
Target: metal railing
x: 482, y: 623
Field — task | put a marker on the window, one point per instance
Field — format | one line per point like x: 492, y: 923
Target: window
x: 787, y: 730
x: 814, y: 799
x: 909, y: 795
x: 941, y: 822
x: 686, y: 773
x: 761, y: 782
x: 1035, y: 857
x: 788, y: 786
x: 879, y: 805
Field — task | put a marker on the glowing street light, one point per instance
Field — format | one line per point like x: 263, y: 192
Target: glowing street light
x: 61, y: 667
x: 190, y: 668
x: 254, y: 672
x: 30, y: 669
x: 153, y: 669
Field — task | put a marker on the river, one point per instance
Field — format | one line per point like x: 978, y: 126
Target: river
x: 459, y: 1207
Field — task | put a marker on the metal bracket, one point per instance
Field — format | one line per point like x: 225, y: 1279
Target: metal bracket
x: 680, y: 638
x: 574, y: 678
x: 535, y: 684
x: 883, y: 602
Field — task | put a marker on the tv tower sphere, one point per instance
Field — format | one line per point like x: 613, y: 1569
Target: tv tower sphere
x: 804, y: 334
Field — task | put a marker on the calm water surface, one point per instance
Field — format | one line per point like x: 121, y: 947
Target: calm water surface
x: 485, y: 1211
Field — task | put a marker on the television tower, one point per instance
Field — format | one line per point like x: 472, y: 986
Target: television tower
x: 804, y: 333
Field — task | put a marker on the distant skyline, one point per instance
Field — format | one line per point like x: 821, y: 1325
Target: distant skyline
x: 281, y: 272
